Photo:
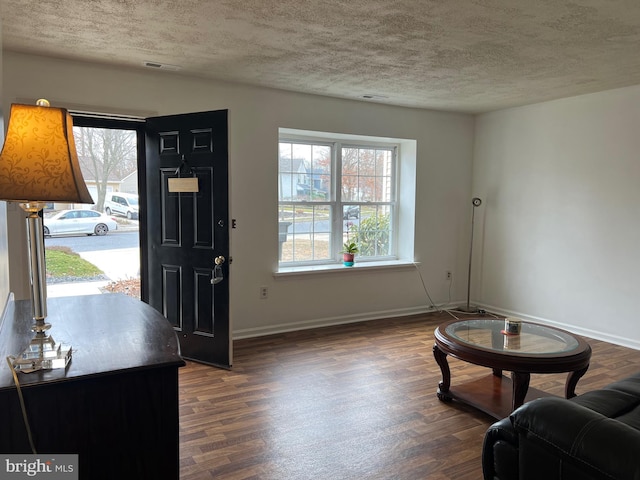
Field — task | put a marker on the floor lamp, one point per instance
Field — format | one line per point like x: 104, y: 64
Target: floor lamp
x: 39, y: 164
x: 476, y: 202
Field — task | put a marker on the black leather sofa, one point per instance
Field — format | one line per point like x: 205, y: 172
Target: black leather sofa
x: 592, y: 436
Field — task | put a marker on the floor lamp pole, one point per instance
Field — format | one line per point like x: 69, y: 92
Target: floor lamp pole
x: 476, y: 202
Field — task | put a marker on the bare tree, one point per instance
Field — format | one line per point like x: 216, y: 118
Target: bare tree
x: 105, y: 154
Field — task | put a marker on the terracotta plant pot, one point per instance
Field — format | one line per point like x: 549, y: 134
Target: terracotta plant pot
x: 347, y: 259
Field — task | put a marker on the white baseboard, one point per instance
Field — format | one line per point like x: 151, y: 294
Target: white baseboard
x: 327, y: 322
x: 586, y: 332
x: 363, y: 317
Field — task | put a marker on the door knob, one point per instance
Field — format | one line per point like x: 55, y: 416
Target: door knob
x: 218, y: 276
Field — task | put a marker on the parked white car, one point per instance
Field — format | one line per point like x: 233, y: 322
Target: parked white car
x: 79, y: 221
x: 124, y: 204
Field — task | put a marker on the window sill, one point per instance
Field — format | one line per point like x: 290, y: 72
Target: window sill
x: 334, y: 267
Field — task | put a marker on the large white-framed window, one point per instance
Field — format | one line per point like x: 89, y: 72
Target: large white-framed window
x: 335, y: 189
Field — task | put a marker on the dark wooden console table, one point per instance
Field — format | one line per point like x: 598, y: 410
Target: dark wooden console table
x: 116, y: 403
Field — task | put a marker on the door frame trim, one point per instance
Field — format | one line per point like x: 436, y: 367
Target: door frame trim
x: 137, y: 125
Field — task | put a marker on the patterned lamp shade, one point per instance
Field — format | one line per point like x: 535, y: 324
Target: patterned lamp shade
x: 39, y: 162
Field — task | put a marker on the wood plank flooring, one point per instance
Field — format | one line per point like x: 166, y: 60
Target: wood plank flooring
x: 347, y: 402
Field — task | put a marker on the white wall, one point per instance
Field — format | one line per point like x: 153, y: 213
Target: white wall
x: 560, y: 226
x: 445, y: 148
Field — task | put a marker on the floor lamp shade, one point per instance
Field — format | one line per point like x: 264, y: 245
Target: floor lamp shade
x: 39, y: 162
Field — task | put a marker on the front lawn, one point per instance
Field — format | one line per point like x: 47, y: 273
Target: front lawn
x: 62, y: 262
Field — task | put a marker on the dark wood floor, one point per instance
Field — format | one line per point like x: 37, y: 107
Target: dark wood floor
x: 347, y: 402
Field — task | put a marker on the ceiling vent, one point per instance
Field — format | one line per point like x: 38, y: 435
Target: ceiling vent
x: 373, y: 96
x: 161, y: 66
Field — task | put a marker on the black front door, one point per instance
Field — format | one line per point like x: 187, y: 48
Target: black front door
x: 187, y: 230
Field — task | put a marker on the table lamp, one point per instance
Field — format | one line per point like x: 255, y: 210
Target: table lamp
x: 39, y: 164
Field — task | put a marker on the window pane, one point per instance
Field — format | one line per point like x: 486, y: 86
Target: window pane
x: 308, y: 232
x: 367, y: 174
x: 286, y: 173
x: 371, y: 231
x: 304, y: 172
x: 350, y: 175
x: 384, y: 176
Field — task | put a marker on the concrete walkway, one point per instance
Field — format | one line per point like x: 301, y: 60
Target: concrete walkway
x: 121, y: 264
x: 75, y: 288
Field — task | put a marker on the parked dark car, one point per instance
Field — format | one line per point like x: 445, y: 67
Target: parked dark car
x: 349, y: 212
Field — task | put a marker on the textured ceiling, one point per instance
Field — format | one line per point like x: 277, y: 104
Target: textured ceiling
x: 458, y: 55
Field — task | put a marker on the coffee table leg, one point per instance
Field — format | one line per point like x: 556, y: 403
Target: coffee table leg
x: 443, y: 386
x: 520, y: 383
x: 572, y: 381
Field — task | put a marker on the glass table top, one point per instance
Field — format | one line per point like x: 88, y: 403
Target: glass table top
x: 534, y: 339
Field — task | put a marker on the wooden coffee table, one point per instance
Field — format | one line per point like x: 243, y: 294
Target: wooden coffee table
x: 537, y: 349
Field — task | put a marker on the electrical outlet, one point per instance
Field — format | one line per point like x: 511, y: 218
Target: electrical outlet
x: 449, y: 275
x: 264, y: 292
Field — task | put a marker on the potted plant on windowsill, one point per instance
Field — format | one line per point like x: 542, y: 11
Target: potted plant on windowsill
x: 348, y: 253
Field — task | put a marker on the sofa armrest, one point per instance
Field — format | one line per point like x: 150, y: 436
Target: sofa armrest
x: 500, y: 452
x: 576, y: 442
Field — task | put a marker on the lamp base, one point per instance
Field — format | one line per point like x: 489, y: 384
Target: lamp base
x: 43, y: 353
x: 468, y: 309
